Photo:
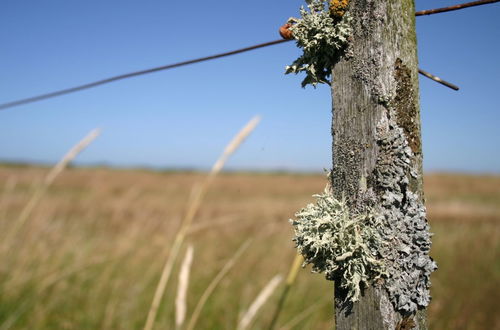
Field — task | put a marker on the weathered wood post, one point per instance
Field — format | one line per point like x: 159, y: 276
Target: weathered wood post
x: 369, y: 233
x: 375, y: 117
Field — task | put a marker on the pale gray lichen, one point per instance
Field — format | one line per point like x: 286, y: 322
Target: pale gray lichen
x: 386, y: 238
x: 322, y: 39
x: 403, y: 222
x: 340, y: 243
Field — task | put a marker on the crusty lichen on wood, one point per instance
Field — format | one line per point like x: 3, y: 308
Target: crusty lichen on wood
x: 403, y: 221
x: 338, y: 8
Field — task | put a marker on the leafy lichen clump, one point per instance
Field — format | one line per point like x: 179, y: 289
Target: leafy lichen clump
x: 339, y: 243
x: 323, y: 37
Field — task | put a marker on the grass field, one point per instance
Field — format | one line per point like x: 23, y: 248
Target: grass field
x: 91, y: 253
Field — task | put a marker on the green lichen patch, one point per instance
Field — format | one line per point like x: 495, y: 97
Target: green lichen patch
x: 322, y: 39
x: 406, y: 106
x: 340, y: 243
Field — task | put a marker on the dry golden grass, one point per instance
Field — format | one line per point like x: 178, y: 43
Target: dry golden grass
x: 182, y: 288
x: 88, y: 256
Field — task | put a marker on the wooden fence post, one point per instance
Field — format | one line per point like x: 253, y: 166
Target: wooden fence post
x: 377, y: 159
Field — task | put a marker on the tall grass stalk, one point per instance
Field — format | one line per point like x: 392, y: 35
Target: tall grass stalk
x: 180, y: 300
x: 213, y: 284
x: 292, y: 275
x: 194, y: 205
x: 47, y: 182
x: 261, y: 299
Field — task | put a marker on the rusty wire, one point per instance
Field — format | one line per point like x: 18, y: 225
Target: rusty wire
x: 454, y: 7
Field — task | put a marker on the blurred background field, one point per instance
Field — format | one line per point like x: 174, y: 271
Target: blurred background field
x: 91, y: 253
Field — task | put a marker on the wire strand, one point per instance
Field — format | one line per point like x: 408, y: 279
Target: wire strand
x: 455, y: 7
x: 134, y: 74
x: 439, y: 80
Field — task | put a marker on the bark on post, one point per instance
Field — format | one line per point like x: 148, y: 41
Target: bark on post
x: 375, y: 98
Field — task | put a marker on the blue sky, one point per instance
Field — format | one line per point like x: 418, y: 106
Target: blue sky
x: 184, y: 117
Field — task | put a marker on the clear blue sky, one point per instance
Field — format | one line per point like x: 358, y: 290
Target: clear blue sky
x: 184, y: 117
